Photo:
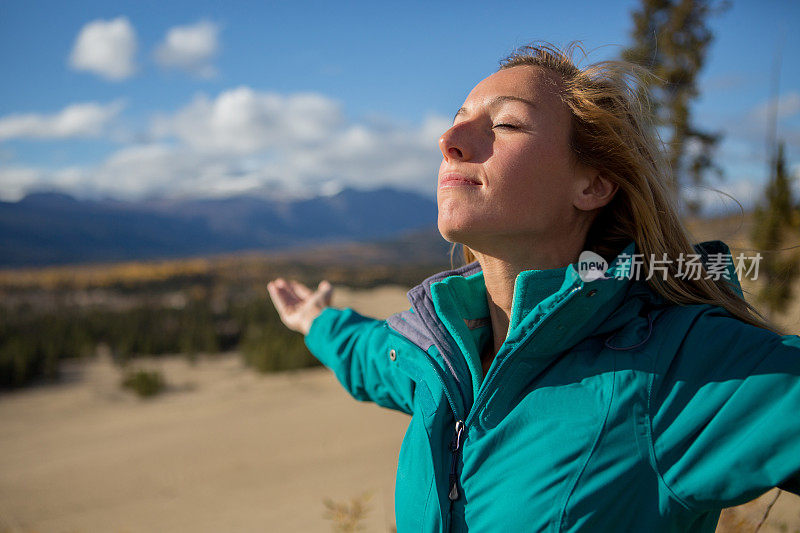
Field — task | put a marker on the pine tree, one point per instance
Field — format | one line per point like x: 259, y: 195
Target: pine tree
x: 775, y: 224
x: 671, y: 38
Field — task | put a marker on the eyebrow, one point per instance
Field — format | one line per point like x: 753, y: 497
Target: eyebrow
x: 495, y: 101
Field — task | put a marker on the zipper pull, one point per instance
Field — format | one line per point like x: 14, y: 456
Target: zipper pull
x: 455, y: 446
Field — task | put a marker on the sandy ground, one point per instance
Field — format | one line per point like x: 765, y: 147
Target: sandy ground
x: 225, y: 449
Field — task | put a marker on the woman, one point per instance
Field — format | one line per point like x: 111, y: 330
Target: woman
x: 544, y: 399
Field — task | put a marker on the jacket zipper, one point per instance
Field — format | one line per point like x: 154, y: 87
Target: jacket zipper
x: 460, y: 425
x: 455, y: 448
x: 482, y: 392
x: 455, y: 444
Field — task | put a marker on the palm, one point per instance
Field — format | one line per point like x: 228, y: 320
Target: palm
x: 297, y: 305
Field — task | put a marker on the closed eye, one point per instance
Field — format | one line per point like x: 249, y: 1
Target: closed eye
x: 505, y: 125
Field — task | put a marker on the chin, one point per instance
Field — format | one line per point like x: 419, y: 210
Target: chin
x: 448, y: 237
x: 454, y: 220
x: 455, y: 233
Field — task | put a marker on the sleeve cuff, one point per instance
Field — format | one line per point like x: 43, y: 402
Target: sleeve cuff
x: 320, y: 326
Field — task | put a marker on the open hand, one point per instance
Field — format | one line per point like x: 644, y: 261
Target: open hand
x: 298, y: 305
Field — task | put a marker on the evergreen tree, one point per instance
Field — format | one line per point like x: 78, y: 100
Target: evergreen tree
x: 671, y: 38
x: 775, y: 223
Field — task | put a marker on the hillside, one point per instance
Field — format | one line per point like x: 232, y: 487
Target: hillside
x: 53, y: 228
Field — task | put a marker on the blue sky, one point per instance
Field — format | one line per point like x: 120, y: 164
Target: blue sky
x: 131, y: 99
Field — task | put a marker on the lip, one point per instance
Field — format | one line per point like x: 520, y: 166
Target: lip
x: 455, y: 179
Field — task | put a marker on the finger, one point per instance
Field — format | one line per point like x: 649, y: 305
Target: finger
x: 325, y: 287
x: 285, y: 290
x: 327, y: 290
x: 278, y: 286
x: 324, y: 292
x: 277, y: 300
x: 290, y: 287
x: 288, y: 300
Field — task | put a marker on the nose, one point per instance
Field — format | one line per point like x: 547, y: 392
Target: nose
x: 453, y: 144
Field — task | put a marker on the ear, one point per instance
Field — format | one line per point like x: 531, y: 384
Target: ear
x: 594, y: 190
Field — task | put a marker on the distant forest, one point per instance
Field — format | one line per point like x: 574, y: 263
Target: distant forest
x: 177, y: 307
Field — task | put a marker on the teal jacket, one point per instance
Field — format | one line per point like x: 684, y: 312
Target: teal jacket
x: 606, y: 409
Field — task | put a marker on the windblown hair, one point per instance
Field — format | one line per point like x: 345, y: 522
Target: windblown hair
x: 613, y: 131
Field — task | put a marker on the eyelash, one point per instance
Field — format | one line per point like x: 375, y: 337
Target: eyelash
x: 504, y: 125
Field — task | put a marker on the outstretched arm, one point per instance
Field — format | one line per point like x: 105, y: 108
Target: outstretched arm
x: 357, y: 348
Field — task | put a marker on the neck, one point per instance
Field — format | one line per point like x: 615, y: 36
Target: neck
x: 500, y: 272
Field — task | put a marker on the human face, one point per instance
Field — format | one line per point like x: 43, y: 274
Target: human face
x: 507, y: 171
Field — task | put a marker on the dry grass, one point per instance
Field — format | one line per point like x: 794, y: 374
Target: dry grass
x: 347, y: 517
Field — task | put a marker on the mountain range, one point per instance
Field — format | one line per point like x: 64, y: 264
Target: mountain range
x: 48, y: 228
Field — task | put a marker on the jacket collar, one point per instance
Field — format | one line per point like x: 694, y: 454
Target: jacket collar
x: 577, y: 310
x: 580, y: 309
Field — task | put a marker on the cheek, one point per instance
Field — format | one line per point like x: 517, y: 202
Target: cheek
x: 538, y: 172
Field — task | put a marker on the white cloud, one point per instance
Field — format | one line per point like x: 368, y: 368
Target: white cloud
x: 788, y: 105
x: 725, y: 197
x: 190, y: 48
x: 15, y: 182
x: 88, y: 119
x: 146, y: 169
x: 250, y: 142
x: 403, y: 157
x: 794, y: 181
x: 244, y: 121
x: 106, y: 47
x: 742, y: 152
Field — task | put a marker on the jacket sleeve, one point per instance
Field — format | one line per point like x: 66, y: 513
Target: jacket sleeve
x: 725, y: 413
x: 357, y: 349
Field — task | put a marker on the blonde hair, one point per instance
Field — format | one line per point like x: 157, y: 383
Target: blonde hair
x: 613, y: 132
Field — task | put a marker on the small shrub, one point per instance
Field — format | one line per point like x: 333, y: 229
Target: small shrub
x: 272, y: 347
x: 346, y: 516
x: 143, y: 382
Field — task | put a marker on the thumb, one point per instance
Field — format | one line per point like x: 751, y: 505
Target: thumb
x: 324, y: 292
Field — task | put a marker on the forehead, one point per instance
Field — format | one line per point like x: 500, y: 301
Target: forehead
x: 524, y: 81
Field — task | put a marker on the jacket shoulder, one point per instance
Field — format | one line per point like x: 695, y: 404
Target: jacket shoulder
x: 722, y: 409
